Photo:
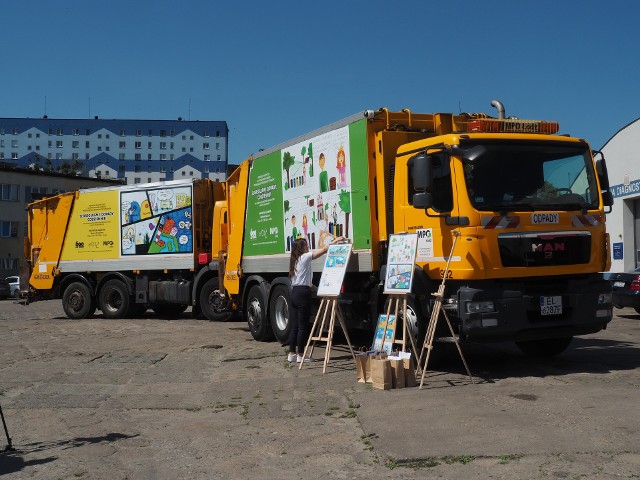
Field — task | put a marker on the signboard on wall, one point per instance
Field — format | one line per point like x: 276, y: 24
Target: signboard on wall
x: 400, y: 262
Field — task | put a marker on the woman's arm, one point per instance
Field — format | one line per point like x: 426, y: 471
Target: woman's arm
x: 321, y: 251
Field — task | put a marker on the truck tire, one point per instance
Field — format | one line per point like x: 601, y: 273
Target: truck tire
x: 547, y: 347
x: 114, y: 299
x: 416, y: 321
x: 256, y: 315
x: 212, y: 304
x: 279, y: 313
x: 78, y: 302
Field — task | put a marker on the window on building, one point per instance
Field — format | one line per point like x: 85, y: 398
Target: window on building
x: 184, y: 174
x: 87, y: 144
x: 149, y: 156
x: 14, y: 143
x: 58, y: 156
x: 171, y: 145
x: 74, y: 156
x: 99, y: 135
x: 75, y: 144
x: 49, y: 131
x: 138, y: 133
x: 205, y: 146
x: 206, y: 133
x: 207, y: 158
x: 138, y: 145
x: 76, y: 131
x: 14, y: 155
x: 107, y: 148
x: 206, y: 169
x: 123, y: 133
x: 1, y: 155
x: 171, y: 156
x: 150, y: 145
x: 99, y: 149
x: 59, y: 132
x: 217, y: 145
x: 151, y: 133
x: 217, y: 133
x: 136, y: 180
x: 138, y: 156
x: 163, y: 145
x: 191, y: 149
x: 121, y: 156
x: 9, y: 192
x: 137, y: 169
x: 163, y: 169
x: 9, y: 229
x: 219, y: 157
x: 184, y: 149
x: 50, y: 144
x: 107, y: 135
x: 121, y: 168
x: 86, y: 156
x: 163, y: 156
x: 163, y: 133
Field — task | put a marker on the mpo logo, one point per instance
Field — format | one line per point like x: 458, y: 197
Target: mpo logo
x: 107, y: 243
x: 79, y: 244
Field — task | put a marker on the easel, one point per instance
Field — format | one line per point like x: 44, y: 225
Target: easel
x: 9, y: 447
x: 329, y: 309
x: 433, y: 321
x: 394, y: 303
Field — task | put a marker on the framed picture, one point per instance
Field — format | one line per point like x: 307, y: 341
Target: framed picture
x: 335, y: 266
x: 400, y: 263
x: 388, y: 334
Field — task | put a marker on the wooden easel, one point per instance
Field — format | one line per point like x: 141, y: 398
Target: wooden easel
x: 329, y: 310
x: 395, y: 302
x: 433, y: 321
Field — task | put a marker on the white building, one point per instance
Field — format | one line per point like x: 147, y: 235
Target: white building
x: 623, y: 223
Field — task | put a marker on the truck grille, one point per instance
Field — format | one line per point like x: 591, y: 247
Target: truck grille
x: 544, y: 249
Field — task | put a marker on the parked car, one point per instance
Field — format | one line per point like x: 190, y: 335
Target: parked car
x: 5, y: 290
x: 14, y: 285
x: 626, y: 289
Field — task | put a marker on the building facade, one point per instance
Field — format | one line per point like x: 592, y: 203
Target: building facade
x: 623, y: 223
x: 138, y: 151
x: 20, y: 186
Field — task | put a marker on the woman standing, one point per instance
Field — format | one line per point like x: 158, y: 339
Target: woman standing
x: 301, y: 275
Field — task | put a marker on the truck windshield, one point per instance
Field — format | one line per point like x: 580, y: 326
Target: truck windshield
x: 510, y: 176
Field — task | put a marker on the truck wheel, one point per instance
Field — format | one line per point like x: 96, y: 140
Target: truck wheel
x: 77, y: 301
x: 214, y: 306
x: 279, y: 313
x: 417, y: 323
x: 547, y: 347
x: 114, y: 299
x: 256, y: 315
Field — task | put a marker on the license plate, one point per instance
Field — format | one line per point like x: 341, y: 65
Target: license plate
x: 618, y: 284
x: 551, y: 305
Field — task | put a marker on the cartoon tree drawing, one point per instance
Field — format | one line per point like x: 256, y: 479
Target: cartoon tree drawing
x: 310, y: 152
x: 287, y: 162
x: 345, y: 205
x: 286, y: 206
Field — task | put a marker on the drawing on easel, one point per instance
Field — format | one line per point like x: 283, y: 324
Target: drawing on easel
x: 335, y: 266
x: 387, y: 330
x: 400, y: 262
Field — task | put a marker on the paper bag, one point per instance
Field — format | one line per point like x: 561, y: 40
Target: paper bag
x: 409, y: 372
x: 363, y: 367
x: 397, y: 373
x: 381, y: 373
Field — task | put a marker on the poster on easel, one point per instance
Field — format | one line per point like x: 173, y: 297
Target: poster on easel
x: 400, y: 263
x: 335, y: 266
x: 387, y: 330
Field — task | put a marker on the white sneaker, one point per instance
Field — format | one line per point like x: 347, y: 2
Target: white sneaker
x: 292, y: 357
x: 305, y: 360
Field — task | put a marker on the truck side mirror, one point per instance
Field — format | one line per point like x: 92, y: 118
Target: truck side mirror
x: 603, y: 175
x: 607, y: 198
x: 421, y: 171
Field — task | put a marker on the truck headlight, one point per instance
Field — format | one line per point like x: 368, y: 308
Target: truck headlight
x: 605, y: 298
x: 480, y: 307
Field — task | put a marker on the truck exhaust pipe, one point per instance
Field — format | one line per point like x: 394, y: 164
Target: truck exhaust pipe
x: 497, y: 104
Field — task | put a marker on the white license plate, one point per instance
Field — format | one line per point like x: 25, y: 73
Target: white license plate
x: 618, y: 284
x: 550, y: 305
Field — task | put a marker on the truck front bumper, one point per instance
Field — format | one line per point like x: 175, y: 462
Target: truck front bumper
x: 580, y: 305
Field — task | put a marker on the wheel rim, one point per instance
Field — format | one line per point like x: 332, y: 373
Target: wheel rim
x: 113, y: 300
x: 412, y: 323
x: 281, y: 313
x: 254, y: 312
x: 76, y: 300
x: 216, y: 301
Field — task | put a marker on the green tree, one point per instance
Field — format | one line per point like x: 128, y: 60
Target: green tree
x: 344, y: 203
x: 288, y: 161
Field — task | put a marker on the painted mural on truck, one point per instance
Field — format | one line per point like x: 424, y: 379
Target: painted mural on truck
x: 304, y: 190
x: 156, y: 221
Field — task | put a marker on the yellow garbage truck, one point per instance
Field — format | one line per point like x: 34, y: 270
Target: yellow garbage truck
x: 526, y: 203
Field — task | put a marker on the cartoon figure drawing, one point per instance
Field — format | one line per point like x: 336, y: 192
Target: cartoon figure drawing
x: 294, y: 229
x: 166, y: 236
x: 134, y: 212
x: 324, y: 176
x: 145, y: 210
x: 341, y: 165
x: 305, y: 225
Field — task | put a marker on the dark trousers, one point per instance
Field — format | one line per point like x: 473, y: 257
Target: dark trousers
x: 299, y: 317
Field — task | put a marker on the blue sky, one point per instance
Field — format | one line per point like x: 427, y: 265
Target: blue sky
x: 277, y: 69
